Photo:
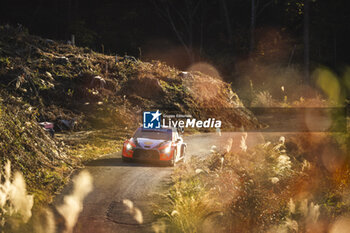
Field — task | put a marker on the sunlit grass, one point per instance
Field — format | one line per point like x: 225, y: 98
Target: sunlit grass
x: 93, y: 144
x: 275, y: 186
x: 189, y: 206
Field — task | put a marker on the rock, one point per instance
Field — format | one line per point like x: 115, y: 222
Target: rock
x: 185, y: 74
x: 49, y: 41
x: 67, y: 124
x: 49, y: 75
x: 62, y: 60
x: 20, y: 80
x: 97, y: 82
x: 50, y: 85
x: 126, y: 58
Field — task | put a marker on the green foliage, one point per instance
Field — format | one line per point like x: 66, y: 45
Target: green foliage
x: 334, y: 205
x: 4, y: 62
x: 70, y: 92
x: 127, y: 69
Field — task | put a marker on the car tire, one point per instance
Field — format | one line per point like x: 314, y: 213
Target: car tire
x: 125, y: 159
x: 183, y: 151
x: 172, y: 161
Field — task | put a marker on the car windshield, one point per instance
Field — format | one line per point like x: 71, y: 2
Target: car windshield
x: 161, y: 134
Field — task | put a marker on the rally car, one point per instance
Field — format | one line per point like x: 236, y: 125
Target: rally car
x: 164, y: 144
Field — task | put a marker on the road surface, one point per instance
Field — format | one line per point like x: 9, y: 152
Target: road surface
x: 116, y: 183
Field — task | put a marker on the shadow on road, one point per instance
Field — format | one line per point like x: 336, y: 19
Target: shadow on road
x: 118, y: 162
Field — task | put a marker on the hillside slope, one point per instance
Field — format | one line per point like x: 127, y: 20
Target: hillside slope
x: 44, y: 80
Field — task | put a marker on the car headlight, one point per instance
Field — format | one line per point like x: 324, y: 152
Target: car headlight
x: 128, y: 146
x: 167, y: 149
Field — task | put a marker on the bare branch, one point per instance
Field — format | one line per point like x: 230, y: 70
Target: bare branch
x: 264, y: 6
x: 178, y: 34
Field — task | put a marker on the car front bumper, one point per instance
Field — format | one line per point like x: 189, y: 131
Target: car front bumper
x: 147, y: 154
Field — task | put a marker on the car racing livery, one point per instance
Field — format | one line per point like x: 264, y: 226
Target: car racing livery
x: 164, y: 144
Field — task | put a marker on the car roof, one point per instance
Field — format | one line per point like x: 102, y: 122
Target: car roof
x: 163, y: 129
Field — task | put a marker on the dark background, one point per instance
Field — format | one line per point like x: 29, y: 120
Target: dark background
x: 215, y: 31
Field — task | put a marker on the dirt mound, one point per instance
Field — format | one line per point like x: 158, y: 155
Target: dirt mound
x: 67, y: 82
x: 30, y: 149
x: 44, y: 80
x: 146, y: 87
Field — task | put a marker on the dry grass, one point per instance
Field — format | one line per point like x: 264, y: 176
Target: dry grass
x: 278, y: 186
x: 89, y: 145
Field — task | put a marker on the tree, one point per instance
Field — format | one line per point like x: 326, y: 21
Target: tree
x: 307, y: 40
x: 257, y: 8
x: 227, y: 19
x: 181, y: 20
x: 252, y: 25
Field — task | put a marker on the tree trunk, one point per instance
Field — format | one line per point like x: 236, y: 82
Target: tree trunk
x: 252, y: 26
x: 179, y: 36
x: 307, y: 41
x: 186, y: 36
x: 335, y: 48
x: 190, y: 31
x: 201, y: 41
x: 228, y: 23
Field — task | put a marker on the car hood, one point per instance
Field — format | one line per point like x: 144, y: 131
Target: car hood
x: 147, y: 143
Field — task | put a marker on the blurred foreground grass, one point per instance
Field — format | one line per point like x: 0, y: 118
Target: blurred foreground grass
x: 300, y: 183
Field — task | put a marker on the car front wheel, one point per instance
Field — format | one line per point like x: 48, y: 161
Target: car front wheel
x: 172, y: 160
x: 183, y: 150
x: 125, y: 159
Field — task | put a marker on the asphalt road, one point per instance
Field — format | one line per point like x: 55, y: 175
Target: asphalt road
x: 117, y: 185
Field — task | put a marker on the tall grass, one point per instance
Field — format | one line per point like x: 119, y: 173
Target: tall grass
x: 275, y: 186
x: 16, y: 205
x: 189, y: 206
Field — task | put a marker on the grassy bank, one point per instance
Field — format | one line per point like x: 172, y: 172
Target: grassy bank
x: 296, y: 184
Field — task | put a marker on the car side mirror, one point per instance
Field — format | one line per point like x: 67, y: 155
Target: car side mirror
x: 181, y: 130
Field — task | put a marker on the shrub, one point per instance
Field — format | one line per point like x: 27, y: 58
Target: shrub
x: 263, y: 99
